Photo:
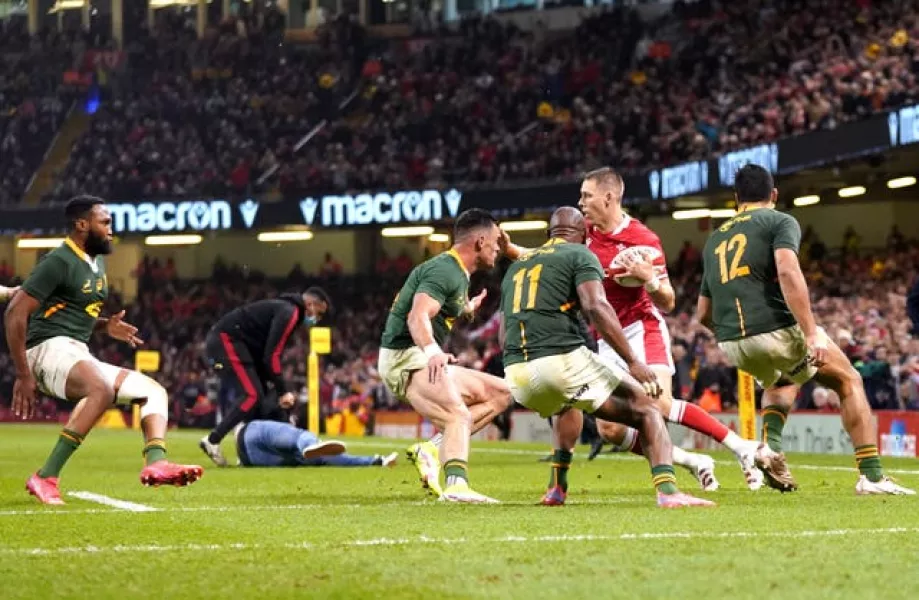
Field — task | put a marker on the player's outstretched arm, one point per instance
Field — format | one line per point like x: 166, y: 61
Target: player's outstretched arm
x: 597, y: 309
x: 797, y: 297
x: 509, y: 248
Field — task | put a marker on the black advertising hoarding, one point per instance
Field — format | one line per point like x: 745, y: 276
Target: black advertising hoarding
x: 407, y: 207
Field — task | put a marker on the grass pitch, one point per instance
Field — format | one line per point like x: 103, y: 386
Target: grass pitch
x: 370, y: 532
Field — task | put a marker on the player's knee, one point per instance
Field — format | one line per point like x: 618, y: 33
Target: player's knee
x: 458, y: 412
x: 608, y: 429
x: 138, y: 386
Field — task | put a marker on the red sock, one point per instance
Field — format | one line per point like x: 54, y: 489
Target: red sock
x: 690, y: 415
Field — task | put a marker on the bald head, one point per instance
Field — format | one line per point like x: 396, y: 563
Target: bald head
x: 568, y: 223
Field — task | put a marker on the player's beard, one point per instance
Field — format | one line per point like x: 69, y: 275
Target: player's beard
x: 97, y: 244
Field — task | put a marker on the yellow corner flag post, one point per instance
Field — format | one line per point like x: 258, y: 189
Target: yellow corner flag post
x: 145, y: 361
x: 746, y: 405
x: 320, y: 343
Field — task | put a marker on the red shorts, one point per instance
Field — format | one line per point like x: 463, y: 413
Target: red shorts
x: 650, y: 341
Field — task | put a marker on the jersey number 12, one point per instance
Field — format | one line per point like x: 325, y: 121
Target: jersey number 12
x: 520, y: 278
x: 736, y: 245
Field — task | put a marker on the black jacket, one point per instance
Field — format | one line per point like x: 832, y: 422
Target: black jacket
x: 912, y: 307
x: 264, y: 328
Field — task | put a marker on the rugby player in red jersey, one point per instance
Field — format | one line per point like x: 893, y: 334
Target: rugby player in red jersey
x: 639, y: 309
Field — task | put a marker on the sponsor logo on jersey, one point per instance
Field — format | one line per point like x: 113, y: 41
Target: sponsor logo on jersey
x: 419, y: 206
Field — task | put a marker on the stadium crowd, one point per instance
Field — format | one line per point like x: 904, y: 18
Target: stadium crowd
x: 860, y: 299
x: 488, y: 102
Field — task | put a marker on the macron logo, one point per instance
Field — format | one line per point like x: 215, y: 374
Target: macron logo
x: 248, y: 210
x: 308, y: 209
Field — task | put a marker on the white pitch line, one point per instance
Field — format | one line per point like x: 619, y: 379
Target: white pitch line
x: 629, y: 456
x: 424, y: 540
x: 254, y: 508
x: 113, y: 502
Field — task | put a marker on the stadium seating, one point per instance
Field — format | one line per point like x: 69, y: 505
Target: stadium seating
x: 490, y: 103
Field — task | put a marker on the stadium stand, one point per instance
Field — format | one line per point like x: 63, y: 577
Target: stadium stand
x: 490, y: 102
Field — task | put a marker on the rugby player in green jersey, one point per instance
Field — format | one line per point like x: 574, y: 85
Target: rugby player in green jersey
x: 755, y: 298
x: 48, y: 325
x: 549, y: 368
x: 414, y: 367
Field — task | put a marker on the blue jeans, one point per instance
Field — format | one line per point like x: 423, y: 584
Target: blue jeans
x: 273, y: 444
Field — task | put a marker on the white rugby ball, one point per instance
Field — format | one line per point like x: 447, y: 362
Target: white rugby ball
x: 617, y: 266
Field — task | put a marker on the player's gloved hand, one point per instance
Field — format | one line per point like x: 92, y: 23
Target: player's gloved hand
x: 123, y: 331
x: 817, y: 349
x: 437, y: 366
x: 646, y: 377
x: 24, y: 397
x: 474, y: 303
x: 287, y: 400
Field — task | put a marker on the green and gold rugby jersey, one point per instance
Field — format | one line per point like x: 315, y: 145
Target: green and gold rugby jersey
x: 740, y: 273
x: 71, y: 289
x: 443, y: 278
x: 539, y: 299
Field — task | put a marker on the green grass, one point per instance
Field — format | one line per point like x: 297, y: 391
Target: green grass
x: 370, y: 533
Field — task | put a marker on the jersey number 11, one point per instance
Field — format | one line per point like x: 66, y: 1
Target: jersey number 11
x: 519, y: 278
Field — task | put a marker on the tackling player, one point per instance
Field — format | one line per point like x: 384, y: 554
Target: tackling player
x: 272, y: 444
x: 244, y: 348
x: 609, y: 232
x: 458, y: 401
x: 755, y: 297
x: 549, y: 368
x: 48, y: 324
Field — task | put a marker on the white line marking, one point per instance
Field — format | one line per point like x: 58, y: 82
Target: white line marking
x: 421, y: 540
x: 253, y: 508
x: 628, y: 456
x: 113, y: 502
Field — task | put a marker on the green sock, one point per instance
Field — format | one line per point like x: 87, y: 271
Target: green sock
x: 455, y: 471
x: 561, y: 461
x: 869, y: 463
x: 67, y: 444
x: 664, y: 479
x: 154, y: 451
x: 773, y: 423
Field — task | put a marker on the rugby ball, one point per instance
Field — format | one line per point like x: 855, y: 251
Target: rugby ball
x: 617, y: 268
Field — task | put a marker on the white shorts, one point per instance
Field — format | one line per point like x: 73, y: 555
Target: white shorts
x: 396, y: 367
x: 578, y: 379
x: 52, y: 360
x: 649, y: 340
x: 770, y: 356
